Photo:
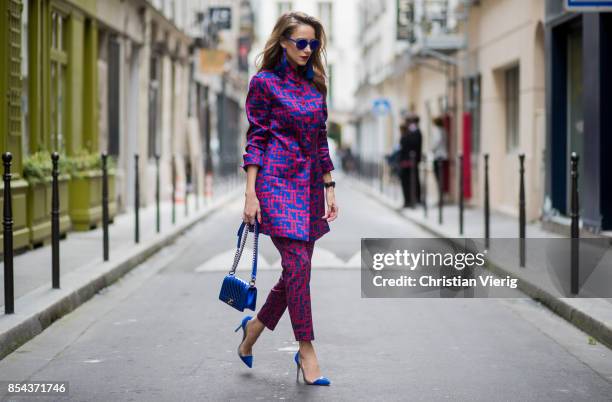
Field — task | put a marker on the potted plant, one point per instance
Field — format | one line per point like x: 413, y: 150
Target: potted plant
x: 37, y: 171
x: 86, y: 189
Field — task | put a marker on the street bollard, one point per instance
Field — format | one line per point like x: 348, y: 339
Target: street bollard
x: 104, y: 206
x: 440, y: 192
x: 9, y: 293
x: 522, y: 214
x: 157, y: 212
x: 136, y: 201
x: 486, y: 200
x: 55, y: 224
x: 413, y: 176
x: 173, y: 190
x: 461, y: 199
x: 574, y: 214
x: 424, y: 176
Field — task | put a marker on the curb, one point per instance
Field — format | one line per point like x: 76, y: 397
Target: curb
x: 580, y: 319
x: 39, y: 308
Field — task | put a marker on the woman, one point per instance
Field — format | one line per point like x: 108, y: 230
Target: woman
x: 288, y: 169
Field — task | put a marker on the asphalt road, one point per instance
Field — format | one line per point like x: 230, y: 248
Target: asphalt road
x: 160, y: 333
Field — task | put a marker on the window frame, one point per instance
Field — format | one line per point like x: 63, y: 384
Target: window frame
x: 512, y: 115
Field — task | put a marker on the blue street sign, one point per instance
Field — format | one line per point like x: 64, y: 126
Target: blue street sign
x: 381, y: 106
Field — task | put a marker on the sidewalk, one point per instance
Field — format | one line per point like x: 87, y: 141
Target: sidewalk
x: 592, y: 315
x: 82, y: 269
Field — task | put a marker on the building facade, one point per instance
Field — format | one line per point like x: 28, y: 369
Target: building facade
x: 579, y: 114
x: 85, y: 77
x: 479, y: 70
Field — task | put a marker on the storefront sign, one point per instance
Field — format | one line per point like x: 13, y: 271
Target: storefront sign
x: 220, y: 17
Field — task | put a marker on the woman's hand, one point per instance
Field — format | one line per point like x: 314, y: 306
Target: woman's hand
x: 332, y: 208
x: 251, y: 208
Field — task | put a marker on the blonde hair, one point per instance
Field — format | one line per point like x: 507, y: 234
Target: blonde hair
x: 284, y: 27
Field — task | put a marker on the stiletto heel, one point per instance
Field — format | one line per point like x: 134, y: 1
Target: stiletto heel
x: 248, y: 359
x: 319, y: 381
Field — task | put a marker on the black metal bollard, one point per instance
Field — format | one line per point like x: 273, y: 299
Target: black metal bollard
x: 440, y: 191
x: 424, y: 195
x: 157, y: 185
x: 9, y: 290
x: 105, y: 206
x: 173, y: 191
x: 55, y: 224
x: 136, y: 201
x: 522, y: 213
x: 574, y: 214
x: 413, y: 176
x: 461, y: 199
x: 486, y: 200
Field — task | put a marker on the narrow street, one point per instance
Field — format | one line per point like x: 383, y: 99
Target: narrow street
x: 161, y: 334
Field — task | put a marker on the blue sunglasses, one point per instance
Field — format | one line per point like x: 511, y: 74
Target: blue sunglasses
x: 302, y: 43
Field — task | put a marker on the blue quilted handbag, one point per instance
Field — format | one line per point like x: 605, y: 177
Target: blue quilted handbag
x: 237, y: 292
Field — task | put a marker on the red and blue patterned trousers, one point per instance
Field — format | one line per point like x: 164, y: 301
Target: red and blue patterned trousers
x: 292, y: 289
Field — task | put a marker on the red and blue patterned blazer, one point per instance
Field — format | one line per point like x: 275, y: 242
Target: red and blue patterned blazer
x: 287, y: 139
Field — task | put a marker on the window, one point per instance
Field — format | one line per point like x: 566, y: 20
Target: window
x: 326, y: 17
x: 25, y: 118
x: 471, y: 104
x: 59, y: 64
x: 575, y: 112
x: 114, y: 97
x: 283, y: 7
x: 512, y: 108
x: 330, y: 85
x: 154, y: 101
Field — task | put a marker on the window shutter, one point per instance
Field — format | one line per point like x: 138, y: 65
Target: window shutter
x: 14, y: 67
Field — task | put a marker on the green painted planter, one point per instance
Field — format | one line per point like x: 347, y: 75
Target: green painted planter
x: 21, y: 232
x: 85, y: 195
x: 40, y: 196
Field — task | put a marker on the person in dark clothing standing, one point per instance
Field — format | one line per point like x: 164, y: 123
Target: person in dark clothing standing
x: 411, y: 144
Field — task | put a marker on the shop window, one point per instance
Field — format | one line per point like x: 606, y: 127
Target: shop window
x: 114, y: 97
x: 59, y: 65
x: 154, y: 102
x: 13, y: 95
x: 472, y: 105
x: 575, y: 119
x: 512, y: 108
x: 23, y: 49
